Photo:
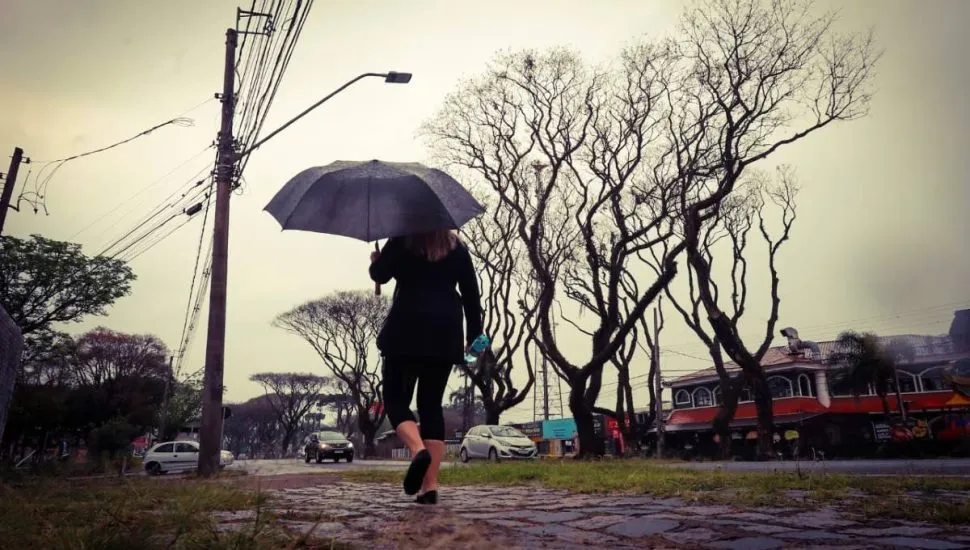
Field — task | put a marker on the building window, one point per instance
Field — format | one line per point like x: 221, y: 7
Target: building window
x: 780, y: 387
x: 804, y: 385
x: 840, y: 385
x: 745, y: 396
x: 907, y: 382
x: 682, y: 398
x: 932, y: 379
x: 702, y: 397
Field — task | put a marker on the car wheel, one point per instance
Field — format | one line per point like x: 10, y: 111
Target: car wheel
x: 153, y: 468
x: 493, y: 455
x: 306, y: 459
x: 350, y: 459
x: 319, y: 458
x: 463, y: 455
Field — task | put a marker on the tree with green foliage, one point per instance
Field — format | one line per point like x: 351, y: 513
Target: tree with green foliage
x: 870, y: 362
x: 43, y: 281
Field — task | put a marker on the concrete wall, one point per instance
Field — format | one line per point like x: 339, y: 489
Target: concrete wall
x: 11, y: 347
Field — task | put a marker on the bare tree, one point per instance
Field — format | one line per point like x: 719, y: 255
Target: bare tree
x: 491, y: 240
x: 727, y: 235
x: 343, y: 407
x: 254, y: 428
x: 640, y: 155
x: 773, y: 74
x: 342, y: 328
x: 292, y: 395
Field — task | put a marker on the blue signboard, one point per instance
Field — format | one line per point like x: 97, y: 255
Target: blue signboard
x: 561, y: 428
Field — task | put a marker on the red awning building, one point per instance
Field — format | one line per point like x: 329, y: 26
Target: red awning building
x: 813, y: 403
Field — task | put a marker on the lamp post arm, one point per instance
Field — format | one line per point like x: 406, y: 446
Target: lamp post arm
x: 240, y: 156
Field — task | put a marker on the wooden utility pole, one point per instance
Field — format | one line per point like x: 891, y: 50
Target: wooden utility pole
x: 659, y: 390
x: 210, y: 432
x: 9, y: 183
x: 166, y: 398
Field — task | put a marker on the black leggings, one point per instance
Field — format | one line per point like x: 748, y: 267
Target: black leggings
x: 401, y: 374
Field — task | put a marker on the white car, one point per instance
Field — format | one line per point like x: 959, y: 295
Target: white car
x: 496, y: 442
x: 178, y: 456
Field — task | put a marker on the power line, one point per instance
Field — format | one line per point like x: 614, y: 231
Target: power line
x: 190, y: 312
x: 37, y: 197
x: 141, y: 192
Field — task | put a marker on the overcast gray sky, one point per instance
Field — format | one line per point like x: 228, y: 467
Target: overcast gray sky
x: 880, y: 243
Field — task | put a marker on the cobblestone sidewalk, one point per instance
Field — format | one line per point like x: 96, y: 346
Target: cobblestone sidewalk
x: 379, y: 516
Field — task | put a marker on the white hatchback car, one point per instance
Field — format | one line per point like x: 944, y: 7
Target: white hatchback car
x: 178, y: 456
x: 496, y: 442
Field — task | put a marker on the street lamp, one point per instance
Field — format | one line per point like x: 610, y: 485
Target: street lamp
x: 390, y: 77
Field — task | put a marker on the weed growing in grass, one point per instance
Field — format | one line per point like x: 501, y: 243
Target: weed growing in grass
x: 110, y: 514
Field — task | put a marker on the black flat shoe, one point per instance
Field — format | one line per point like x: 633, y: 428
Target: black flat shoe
x: 431, y: 497
x: 415, y: 474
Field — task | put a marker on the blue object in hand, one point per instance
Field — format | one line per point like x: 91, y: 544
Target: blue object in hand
x: 477, y: 348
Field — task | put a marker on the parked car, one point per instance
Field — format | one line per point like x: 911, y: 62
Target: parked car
x: 324, y: 445
x: 495, y: 443
x: 178, y: 456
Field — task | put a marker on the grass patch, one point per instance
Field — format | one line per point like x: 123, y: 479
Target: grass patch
x: 109, y: 514
x: 915, y: 498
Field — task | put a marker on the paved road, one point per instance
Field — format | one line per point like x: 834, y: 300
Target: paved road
x: 951, y: 466
x: 297, y: 466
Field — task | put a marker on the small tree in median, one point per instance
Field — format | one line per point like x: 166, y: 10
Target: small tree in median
x: 292, y: 395
x: 342, y: 328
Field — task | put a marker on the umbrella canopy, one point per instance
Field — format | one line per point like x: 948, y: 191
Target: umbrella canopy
x: 373, y: 200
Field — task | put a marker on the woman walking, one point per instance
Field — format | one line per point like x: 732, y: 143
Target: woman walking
x: 422, y: 340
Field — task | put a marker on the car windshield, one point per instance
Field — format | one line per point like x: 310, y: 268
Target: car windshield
x: 330, y: 436
x: 505, y: 431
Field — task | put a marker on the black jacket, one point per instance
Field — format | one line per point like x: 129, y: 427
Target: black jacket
x: 426, y: 314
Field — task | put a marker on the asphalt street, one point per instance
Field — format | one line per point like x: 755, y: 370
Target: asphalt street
x: 948, y: 466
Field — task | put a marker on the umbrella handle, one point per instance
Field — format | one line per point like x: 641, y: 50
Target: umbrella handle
x: 377, y: 286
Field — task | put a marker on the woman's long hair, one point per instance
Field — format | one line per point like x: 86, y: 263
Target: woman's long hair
x: 434, y: 245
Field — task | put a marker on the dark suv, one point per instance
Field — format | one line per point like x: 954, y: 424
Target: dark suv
x: 322, y: 445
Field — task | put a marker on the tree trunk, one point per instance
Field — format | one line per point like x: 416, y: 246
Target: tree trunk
x: 492, y: 416
x: 287, y: 438
x: 370, y: 449
x: 730, y: 392
x: 899, y: 397
x: 763, y: 405
x: 885, y: 407
x: 589, y: 445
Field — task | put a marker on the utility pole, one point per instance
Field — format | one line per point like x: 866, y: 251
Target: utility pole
x: 659, y: 389
x: 166, y: 397
x: 210, y: 432
x: 9, y: 184
x: 545, y: 389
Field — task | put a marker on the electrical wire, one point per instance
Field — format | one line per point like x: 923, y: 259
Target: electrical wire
x: 141, y: 191
x: 184, y: 341
x: 38, y: 196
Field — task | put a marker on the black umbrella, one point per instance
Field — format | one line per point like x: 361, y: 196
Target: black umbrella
x: 373, y: 200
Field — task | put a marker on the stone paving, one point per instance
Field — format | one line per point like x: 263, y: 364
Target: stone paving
x: 380, y: 516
